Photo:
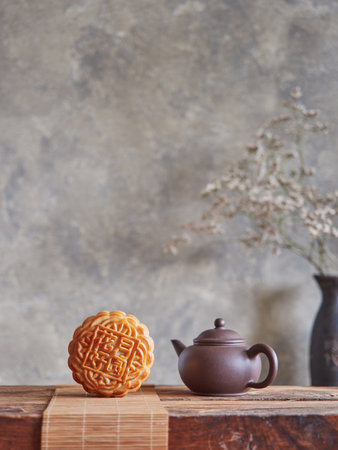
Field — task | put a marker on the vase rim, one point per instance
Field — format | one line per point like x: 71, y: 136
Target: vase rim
x: 327, y: 281
x: 325, y: 277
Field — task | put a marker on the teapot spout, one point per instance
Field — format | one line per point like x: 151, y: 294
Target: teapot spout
x: 178, y: 346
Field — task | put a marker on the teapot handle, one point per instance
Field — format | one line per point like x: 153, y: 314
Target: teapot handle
x: 273, y: 362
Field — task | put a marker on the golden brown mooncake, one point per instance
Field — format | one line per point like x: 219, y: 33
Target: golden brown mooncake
x: 111, y: 354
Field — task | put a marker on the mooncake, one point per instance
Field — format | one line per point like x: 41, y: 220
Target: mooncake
x: 111, y: 354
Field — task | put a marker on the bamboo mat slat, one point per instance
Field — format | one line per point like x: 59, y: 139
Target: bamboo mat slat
x: 77, y: 420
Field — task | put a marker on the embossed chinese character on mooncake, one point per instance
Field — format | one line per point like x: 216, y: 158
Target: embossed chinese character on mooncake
x: 111, y: 354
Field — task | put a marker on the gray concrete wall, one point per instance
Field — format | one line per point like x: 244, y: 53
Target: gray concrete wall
x: 113, y: 117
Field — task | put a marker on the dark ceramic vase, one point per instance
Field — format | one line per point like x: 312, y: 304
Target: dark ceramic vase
x: 324, y: 339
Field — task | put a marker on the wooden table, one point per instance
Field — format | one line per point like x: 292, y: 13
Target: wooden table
x: 278, y: 417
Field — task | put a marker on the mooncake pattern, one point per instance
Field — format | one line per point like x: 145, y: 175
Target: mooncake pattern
x: 111, y: 354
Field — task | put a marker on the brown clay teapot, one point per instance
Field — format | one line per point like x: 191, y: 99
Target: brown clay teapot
x: 220, y: 363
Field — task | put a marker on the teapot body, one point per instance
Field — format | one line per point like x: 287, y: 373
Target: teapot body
x: 218, y: 369
x: 220, y: 363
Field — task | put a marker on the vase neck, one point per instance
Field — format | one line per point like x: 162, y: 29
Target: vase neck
x: 328, y: 286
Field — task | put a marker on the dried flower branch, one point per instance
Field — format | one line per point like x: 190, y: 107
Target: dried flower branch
x: 271, y: 187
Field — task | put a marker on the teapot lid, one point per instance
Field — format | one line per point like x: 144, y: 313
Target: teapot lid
x: 218, y: 335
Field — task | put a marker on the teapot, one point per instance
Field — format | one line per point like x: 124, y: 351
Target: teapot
x: 220, y: 363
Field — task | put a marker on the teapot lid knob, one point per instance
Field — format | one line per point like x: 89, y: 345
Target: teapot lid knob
x: 219, y: 323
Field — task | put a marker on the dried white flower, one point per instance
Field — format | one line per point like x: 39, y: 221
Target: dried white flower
x: 334, y: 232
x: 314, y: 233
x: 296, y: 93
x: 210, y: 187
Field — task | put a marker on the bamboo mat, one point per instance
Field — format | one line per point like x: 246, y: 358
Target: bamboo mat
x: 77, y: 420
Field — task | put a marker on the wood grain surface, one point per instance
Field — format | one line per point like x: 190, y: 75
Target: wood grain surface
x: 21, y: 409
x: 278, y: 417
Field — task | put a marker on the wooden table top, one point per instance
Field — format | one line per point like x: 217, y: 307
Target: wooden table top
x: 283, y: 417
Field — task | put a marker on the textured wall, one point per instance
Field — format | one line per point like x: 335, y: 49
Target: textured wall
x: 113, y: 116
